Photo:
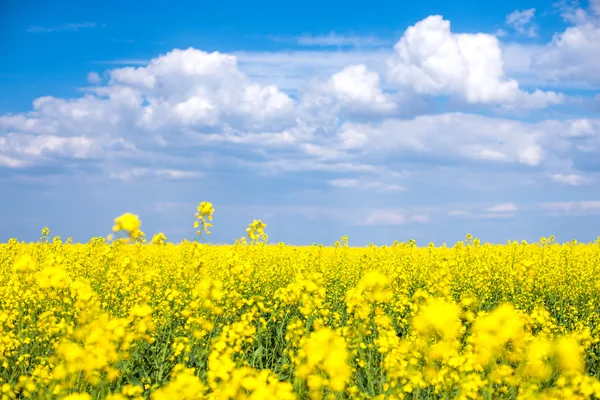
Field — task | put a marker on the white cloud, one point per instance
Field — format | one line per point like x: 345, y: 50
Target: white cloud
x: 595, y: 6
x: 182, y: 90
x: 583, y: 128
x: 521, y: 21
x: 433, y: 60
x: 344, y: 183
x: 367, y: 184
x: 571, y: 56
x: 502, y: 208
x: 286, y: 165
x: 385, y: 218
x: 500, y: 211
x: 11, y: 162
x: 178, y: 174
x: 136, y: 173
x: 129, y: 175
x: 459, y: 213
x: 194, y: 88
x: 290, y: 70
x: 358, y: 88
x: 571, y: 179
x: 420, y: 218
x: 335, y: 40
x: 568, y: 60
x: 572, y: 208
x: 464, y: 136
x: 20, y: 149
x: 392, y: 217
x: 188, y: 102
x: 94, y: 78
x: 62, y: 28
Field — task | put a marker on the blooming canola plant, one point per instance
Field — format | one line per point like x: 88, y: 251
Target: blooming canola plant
x: 122, y: 318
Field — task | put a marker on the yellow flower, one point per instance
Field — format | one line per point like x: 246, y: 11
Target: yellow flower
x: 55, y: 277
x: 159, y: 238
x: 440, y: 317
x: 127, y: 222
x: 78, y: 396
x: 327, y: 350
x: 538, y: 357
x: 183, y: 386
x: 24, y: 264
x: 569, y: 355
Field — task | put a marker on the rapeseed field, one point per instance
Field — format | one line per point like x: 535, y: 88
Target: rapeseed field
x: 124, y: 318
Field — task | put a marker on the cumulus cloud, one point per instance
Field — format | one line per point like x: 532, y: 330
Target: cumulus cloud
x: 20, y: 149
x: 359, y: 89
x: 187, y: 101
x: 571, y: 56
x: 463, y: 136
x: 184, y: 90
x: 522, y: 22
x: 194, y: 88
x: 569, y: 59
x: 433, y: 60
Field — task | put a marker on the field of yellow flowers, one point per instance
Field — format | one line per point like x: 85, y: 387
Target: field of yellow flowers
x: 119, y: 318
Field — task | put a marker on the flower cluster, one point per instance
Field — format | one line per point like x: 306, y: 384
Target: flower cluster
x: 129, y: 224
x: 204, y: 214
x: 256, y: 231
x: 133, y: 321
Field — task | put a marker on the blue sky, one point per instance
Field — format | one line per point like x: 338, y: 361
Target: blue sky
x: 382, y: 120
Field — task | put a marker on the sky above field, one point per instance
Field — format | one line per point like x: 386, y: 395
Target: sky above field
x: 378, y: 120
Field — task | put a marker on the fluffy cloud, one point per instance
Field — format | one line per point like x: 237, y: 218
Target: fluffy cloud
x: 521, y: 21
x: 359, y: 89
x: 466, y: 136
x: 20, y: 149
x: 433, y: 60
x: 570, y: 58
x: 155, y: 119
x: 572, y: 55
x: 198, y: 89
x: 184, y: 90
